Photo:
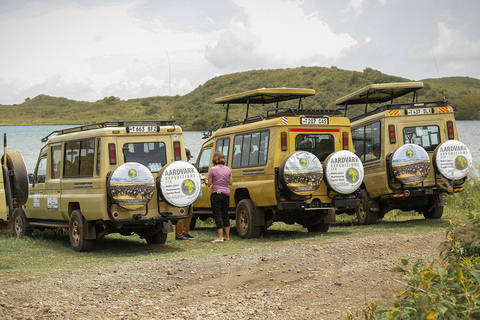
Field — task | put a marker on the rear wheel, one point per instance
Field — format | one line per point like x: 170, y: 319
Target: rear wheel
x: 77, y: 231
x: 364, y: 213
x: 435, y: 213
x: 244, y: 220
x: 157, y: 238
x: 20, y: 224
x: 193, y: 222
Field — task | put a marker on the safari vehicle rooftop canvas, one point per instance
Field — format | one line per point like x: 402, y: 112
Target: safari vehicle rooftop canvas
x: 293, y: 164
x: 410, y: 151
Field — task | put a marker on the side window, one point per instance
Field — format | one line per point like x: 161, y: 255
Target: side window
x: 223, y: 146
x: 367, y: 142
x: 97, y: 172
x: 426, y: 136
x: 71, y: 161
x: 56, y: 161
x: 87, y: 154
x: 204, y: 160
x: 79, y: 159
x: 250, y: 149
x: 237, y: 151
x: 41, y: 170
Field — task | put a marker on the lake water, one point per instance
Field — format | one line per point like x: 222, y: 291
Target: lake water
x: 27, y: 140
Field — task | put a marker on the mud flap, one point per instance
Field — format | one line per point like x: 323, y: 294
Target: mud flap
x: 330, y: 218
x: 91, y: 231
x: 167, y: 227
x: 259, y: 218
x: 442, y: 200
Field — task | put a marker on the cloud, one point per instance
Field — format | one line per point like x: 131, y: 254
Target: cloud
x: 452, y: 45
x: 266, y: 40
x: 355, y: 6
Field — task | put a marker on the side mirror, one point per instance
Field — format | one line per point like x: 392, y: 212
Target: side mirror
x: 30, y: 178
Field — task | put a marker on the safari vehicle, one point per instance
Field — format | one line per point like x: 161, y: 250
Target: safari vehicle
x: 294, y: 165
x: 410, y: 151
x: 13, y: 185
x: 99, y: 179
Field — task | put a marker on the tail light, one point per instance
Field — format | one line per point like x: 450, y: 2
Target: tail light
x: 450, y: 130
x: 177, y: 151
x: 284, y: 141
x: 345, y: 140
x: 112, y: 153
x: 391, y: 133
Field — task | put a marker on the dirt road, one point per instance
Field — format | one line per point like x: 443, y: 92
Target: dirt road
x: 290, y: 280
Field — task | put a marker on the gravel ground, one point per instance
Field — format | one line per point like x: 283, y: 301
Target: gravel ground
x: 289, y: 280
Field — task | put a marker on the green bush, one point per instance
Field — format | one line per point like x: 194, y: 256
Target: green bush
x: 448, y: 288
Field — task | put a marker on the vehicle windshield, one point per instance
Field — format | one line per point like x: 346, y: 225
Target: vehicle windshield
x: 151, y: 154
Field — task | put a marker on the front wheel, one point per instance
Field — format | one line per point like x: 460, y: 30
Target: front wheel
x: 364, y: 213
x: 244, y: 217
x: 20, y: 224
x: 435, y: 213
x: 77, y: 231
x: 157, y: 238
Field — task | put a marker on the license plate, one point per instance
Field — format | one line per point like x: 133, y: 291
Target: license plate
x: 314, y: 120
x: 419, y: 111
x: 135, y: 129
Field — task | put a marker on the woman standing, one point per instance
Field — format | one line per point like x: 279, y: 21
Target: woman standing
x: 220, y: 178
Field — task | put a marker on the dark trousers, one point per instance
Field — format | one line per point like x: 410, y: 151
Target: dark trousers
x: 220, y: 203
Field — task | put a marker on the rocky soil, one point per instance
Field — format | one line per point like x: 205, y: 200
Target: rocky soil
x: 290, y: 280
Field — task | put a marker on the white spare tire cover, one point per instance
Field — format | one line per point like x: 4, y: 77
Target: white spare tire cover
x: 179, y: 183
x: 453, y: 159
x: 410, y: 164
x: 301, y: 172
x: 131, y: 185
x: 343, y: 171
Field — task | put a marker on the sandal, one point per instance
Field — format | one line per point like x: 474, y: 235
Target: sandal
x: 216, y: 241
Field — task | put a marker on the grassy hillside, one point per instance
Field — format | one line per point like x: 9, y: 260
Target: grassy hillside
x: 196, y: 110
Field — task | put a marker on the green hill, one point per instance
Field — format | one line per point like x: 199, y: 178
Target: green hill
x: 196, y: 110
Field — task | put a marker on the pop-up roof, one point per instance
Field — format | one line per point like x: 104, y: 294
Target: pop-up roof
x: 379, y: 93
x: 266, y: 95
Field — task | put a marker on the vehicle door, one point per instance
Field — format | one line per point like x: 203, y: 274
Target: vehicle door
x: 203, y: 164
x: 36, y: 203
x: 52, y: 189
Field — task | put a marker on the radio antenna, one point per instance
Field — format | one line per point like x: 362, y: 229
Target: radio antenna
x: 436, y: 67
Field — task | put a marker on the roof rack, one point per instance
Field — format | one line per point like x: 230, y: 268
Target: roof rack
x: 283, y: 112
x: 399, y: 106
x: 111, y: 124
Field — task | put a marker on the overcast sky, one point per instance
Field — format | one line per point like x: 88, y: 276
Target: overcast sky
x: 90, y: 49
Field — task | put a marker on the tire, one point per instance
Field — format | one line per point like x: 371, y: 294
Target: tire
x: 364, y: 214
x: 20, y: 226
x: 193, y: 222
x: 435, y: 213
x: 76, y: 232
x: 157, y: 238
x: 19, y: 180
x: 320, y: 227
x: 244, y: 217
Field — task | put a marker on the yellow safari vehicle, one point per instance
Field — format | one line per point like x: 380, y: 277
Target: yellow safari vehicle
x: 410, y: 151
x: 13, y: 185
x: 99, y: 179
x: 294, y: 165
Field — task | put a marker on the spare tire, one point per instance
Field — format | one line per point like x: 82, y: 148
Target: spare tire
x: 453, y: 159
x: 410, y: 164
x: 131, y: 185
x: 179, y: 183
x: 301, y: 172
x: 19, y: 179
x: 343, y: 172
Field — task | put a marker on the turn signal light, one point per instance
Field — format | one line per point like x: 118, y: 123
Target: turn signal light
x: 345, y: 141
x: 112, y: 153
x: 391, y: 133
x: 451, y: 132
x: 283, y: 137
x: 177, y: 151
